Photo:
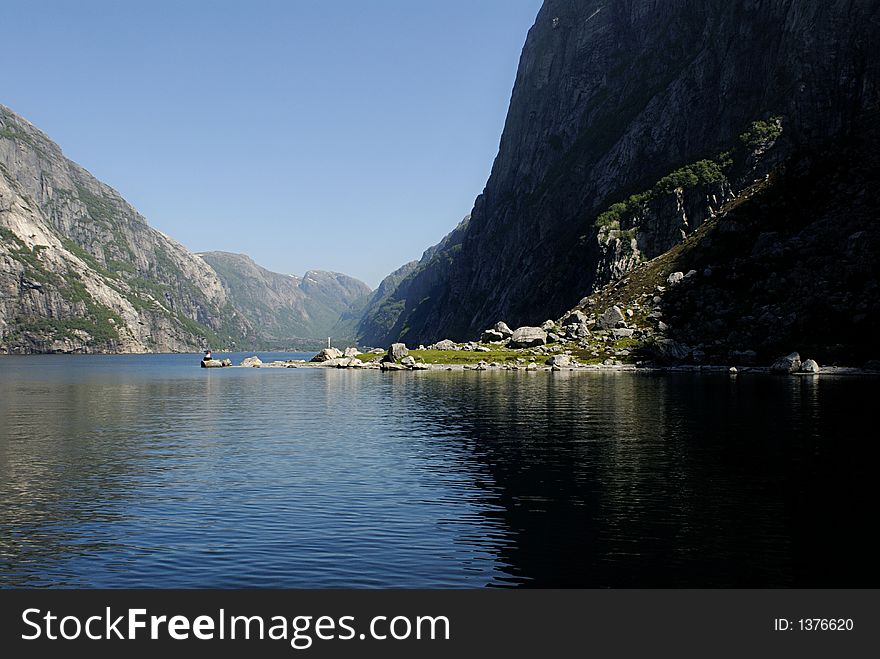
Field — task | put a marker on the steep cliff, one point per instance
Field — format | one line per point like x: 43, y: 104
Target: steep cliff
x: 790, y: 264
x: 291, y: 310
x: 82, y: 271
x: 610, y: 98
x: 388, y: 311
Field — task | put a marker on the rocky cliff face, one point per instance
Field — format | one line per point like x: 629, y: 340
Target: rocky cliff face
x: 389, y: 311
x: 792, y: 265
x: 787, y: 265
x: 291, y: 310
x: 82, y: 271
x: 610, y: 98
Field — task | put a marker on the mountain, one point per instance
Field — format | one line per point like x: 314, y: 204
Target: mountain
x: 82, y: 271
x: 290, y: 310
x: 788, y: 264
x: 382, y: 319
x: 630, y: 124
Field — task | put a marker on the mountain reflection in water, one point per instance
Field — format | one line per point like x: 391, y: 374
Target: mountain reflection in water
x: 143, y: 471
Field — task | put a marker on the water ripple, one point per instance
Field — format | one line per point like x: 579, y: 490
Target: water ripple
x: 144, y: 471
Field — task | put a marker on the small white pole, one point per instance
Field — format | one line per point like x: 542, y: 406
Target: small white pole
x: 328, y: 341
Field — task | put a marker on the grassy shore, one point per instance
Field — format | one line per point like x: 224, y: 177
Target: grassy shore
x: 508, y: 355
x: 494, y: 354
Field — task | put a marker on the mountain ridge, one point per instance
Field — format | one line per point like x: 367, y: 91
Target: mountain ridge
x: 288, y: 308
x: 82, y: 271
x: 610, y: 97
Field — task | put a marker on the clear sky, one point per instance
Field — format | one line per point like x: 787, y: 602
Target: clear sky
x: 342, y: 135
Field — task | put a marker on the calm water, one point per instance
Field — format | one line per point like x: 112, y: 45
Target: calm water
x: 148, y: 471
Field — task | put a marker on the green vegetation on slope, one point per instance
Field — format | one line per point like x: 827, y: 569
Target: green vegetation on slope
x: 702, y: 172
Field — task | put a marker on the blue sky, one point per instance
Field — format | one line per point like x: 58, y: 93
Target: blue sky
x: 346, y: 135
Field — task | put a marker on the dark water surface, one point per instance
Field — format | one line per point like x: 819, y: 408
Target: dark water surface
x: 130, y: 471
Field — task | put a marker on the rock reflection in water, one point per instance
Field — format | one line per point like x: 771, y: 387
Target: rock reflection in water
x: 147, y: 471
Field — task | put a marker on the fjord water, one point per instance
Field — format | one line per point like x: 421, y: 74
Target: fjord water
x: 140, y: 471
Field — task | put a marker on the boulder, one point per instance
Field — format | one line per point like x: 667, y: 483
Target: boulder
x: 622, y: 333
x: 225, y: 362
x: 409, y: 360
x: 491, y: 335
x: 211, y: 363
x: 810, y: 366
x: 253, y: 362
x: 788, y: 364
x: 502, y: 328
x: 351, y: 352
x: 613, y: 317
x: 574, y: 318
x: 671, y: 351
x: 559, y: 360
x: 445, y: 344
x: 577, y: 330
x: 675, y: 278
x: 345, y: 362
x: 391, y: 366
x: 548, y: 325
x: 325, y: 355
x: 396, y: 352
x: 527, y: 337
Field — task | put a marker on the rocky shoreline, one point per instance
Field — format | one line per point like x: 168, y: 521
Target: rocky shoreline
x: 591, y: 337
x: 398, y: 358
x: 624, y: 368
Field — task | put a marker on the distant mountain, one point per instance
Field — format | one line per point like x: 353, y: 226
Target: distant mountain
x: 630, y: 123
x: 386, y: 315
x: 82, y: 271
x: 291, y: 310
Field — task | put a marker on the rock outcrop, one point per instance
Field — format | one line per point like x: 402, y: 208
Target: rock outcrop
x: 810, y: 366
x: 82, y: 271
x: 396, y: 353
x: 491, y: 336
x: 526, y: 337
x: 657, y: 114
x: 327, y: 354
x: 215, y: 363
x: 613, y: 317
x: 502, y: 328
x: 789, y: 364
